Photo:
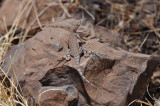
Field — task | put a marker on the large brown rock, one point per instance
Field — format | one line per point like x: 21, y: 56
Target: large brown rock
x: 119, y: 75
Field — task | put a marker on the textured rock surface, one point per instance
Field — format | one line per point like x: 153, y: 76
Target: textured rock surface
x: 119, y: 75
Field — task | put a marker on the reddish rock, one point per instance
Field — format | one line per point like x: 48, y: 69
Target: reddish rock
x: 112, y: 37
x: 120, y: 76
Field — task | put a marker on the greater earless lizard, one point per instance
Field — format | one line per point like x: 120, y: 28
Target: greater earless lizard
x: 74, y: 50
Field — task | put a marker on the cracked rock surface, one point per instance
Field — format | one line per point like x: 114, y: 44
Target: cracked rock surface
x: 120, y: 76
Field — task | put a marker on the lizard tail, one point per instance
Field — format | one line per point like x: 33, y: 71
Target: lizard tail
x: 84, y: 79
x: 77, y: 60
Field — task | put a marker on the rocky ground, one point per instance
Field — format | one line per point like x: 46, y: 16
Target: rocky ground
x: 121, y: 37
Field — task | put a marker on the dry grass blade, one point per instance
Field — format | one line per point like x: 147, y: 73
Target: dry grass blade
x: 150, y: 24
x: 9, y: 36
x: 144, y: 41
x: 83, y: 8
x: 141, y: 102
x: 147, y: 31
x: 64, y: 9
x: 5, y: 25
x: 5, y: 43
x: 33, y: 22
x: 37, y: 17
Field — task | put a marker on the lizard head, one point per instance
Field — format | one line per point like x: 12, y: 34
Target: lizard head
x: 69, y: 23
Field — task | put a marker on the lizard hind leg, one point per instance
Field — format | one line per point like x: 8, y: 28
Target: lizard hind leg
x: 81, y: 51
x: 84, y: 51
x: 65, y: 58
x: 90, y: 54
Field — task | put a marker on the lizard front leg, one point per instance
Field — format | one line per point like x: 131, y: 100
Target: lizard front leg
x: 66, y: 57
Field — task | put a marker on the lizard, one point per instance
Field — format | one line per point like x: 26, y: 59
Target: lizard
x: 75, y: 51
x: 73, y: 48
